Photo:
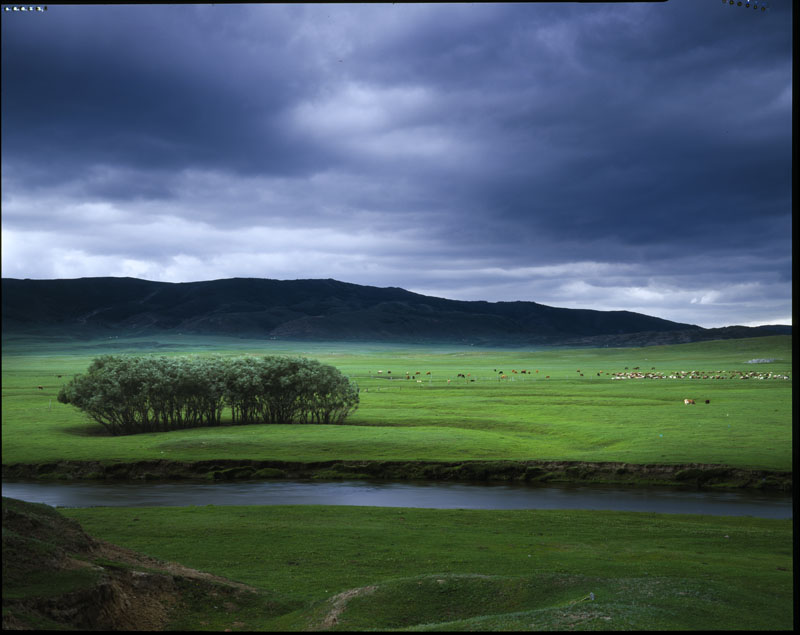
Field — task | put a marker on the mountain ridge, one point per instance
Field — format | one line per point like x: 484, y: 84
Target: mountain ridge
x: 325, y: 309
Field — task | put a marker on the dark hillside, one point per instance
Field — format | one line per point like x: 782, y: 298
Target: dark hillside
x: 57, y: 577
x: 313, y: 310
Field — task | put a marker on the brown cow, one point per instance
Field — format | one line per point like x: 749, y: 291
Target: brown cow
x: 41, y: 387
x: 688, y: 401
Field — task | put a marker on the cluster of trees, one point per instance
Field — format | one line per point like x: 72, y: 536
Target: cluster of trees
x: 130, y: 394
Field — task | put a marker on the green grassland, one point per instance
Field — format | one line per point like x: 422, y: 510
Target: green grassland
x: 361, y: 568
x: 570, y: 410
x: 354, y: 568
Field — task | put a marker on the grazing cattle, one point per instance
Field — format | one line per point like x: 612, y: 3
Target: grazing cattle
x: 708, y: 401
x: 547, y: 376
x: 688, y: 401
x: 503, y: 376
x: 41, y: 387
x: 428, y: 373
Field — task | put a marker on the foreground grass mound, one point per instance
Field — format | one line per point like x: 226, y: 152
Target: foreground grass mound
x: 362, y: 568
x: 429, y: 600
x: 542, y: 602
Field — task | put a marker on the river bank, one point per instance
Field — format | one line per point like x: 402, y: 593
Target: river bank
x: 577, y: 472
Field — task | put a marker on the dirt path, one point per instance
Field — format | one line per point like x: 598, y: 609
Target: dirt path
x: 339, y: 603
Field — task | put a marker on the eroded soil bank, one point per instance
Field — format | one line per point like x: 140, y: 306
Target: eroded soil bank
x: 57, y: 577
x: 694, y: 474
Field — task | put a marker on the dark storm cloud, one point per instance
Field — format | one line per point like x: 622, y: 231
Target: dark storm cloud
x: 153, y: 86
x: 621, y: 155
x: 638, y: 157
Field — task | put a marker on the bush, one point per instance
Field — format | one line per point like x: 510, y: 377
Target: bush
x: 128, y: 394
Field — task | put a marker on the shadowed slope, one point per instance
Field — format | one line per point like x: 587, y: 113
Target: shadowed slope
x: 316, y: 310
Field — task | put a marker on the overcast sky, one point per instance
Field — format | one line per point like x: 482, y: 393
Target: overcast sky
x: 632, y: 156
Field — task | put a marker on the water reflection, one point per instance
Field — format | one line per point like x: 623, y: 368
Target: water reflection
x: 437, y: 495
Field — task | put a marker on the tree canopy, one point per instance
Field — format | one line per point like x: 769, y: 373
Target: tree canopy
x: 132, y: 394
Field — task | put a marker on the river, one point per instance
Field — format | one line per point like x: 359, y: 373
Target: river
x: 436, y: 495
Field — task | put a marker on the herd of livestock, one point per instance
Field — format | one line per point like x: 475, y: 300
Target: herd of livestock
x: 635, y: 373
x: 697, y: 374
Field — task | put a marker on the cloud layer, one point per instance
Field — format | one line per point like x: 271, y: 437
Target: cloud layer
x: 609, y: 156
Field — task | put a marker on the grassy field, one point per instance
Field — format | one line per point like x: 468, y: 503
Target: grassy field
x: 571, y: 409
x: 358, y: 568
x: 421, y: 569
